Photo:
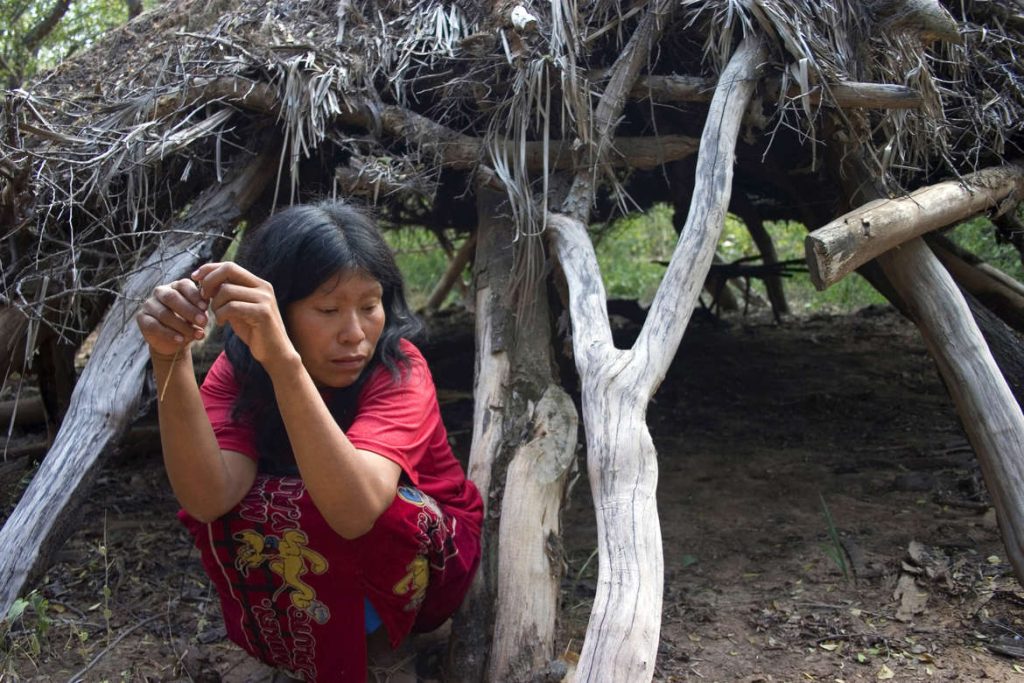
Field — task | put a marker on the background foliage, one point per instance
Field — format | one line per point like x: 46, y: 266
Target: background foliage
x: 37, y: 34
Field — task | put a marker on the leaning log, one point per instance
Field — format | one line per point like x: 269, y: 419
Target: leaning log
x: 451, y: 274
x: 622, y: 636
x: 999, y: 292
x: 853, y: 239
x: 990, y: 415
x: 108, y: 393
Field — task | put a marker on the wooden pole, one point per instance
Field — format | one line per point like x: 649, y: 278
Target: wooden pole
x: 107, y: 395
x: 451, y: 274
x: 990, y: 415
x: 855, y: 238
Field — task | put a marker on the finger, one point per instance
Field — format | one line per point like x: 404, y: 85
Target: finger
x: 191, y: 290
x: 212, y: 275
x: 181, y: 299
x: 175, y: 325
x: 159, y: 333
x: 229, y: 292
x: 252, y: 315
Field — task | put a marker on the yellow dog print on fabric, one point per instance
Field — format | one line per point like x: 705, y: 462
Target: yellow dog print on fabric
x: 292, y: 560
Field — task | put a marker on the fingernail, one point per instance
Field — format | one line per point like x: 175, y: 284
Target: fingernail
x: 199, y: 334
x: 200, y: 319
x: 202, y: 304
x: 178, y: 338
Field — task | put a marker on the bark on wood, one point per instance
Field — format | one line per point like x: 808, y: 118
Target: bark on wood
x: 37, y: 34
x: 872, y: 229
x: 926, y: 18
x: 1006, y: 345
x: 13, y: 328
x: 748, y: 213
x: 622, y: 637
x: 622, y: 77
x: 107, y: 396
x: 469, y: 646
x: 529, y: 548
x: 990, y: 415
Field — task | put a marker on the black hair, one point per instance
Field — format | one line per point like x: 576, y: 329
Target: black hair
x: 296, y: 251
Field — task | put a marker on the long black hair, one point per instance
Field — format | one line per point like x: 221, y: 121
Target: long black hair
x: 296, y: 251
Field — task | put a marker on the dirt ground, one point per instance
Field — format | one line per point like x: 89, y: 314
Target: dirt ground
x: 823, y: 520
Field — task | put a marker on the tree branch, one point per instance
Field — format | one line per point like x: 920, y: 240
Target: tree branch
x: 673, y: 304
x: 34, y: 38
x: 622, y: 77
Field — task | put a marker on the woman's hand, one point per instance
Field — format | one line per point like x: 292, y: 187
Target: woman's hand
x: 172, y: 318
x: 238, y: 297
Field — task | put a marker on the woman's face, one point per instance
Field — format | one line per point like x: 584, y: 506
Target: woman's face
x: 336, y: 328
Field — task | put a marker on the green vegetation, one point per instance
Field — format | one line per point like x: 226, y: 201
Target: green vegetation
x: 634, y: 250
x: 834, y: 548
x: 979, y: 236
x: 421, y: 260
x: 37, y: 34
x: 630, y: 249
x: 22, y: 631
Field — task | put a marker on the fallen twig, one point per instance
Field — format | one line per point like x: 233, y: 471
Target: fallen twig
x: 95, y: 660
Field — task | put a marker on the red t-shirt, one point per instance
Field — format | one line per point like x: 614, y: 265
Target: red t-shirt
x: 291, y: 589
x: 400, y: 421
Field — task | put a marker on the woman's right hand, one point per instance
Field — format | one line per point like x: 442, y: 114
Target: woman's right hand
x: 172, y: 318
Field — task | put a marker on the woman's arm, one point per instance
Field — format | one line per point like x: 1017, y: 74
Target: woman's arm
x: 351, y: 487
x: 206, y: 481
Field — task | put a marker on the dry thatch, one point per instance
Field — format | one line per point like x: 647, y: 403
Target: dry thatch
x: 411, y: 103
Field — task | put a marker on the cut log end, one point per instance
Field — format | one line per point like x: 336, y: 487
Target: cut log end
x: 817, y: 256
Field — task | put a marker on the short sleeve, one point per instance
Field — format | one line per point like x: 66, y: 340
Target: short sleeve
x: 219, y: 391
x: 399, y: 419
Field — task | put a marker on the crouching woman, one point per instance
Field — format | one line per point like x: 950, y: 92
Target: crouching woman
x: 312, y: 466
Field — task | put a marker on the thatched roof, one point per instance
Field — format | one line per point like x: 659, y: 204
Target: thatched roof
x: 419, y: 100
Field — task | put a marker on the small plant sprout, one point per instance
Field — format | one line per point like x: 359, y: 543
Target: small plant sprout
x: 834, y: 549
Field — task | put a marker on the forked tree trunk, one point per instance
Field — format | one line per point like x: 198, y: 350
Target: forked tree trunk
x: 622, y: 636
x: 107, y: 395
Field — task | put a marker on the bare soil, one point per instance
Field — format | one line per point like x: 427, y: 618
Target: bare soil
x: 823, y: 519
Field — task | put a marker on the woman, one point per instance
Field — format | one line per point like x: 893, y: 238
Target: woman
x: 312, y: 466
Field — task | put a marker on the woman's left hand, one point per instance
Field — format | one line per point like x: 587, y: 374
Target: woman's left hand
x: 238, y: 297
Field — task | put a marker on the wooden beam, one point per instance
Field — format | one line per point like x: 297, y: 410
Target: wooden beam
x: 846, y: 94
x: 853, y: 239
x: 108, y: 393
